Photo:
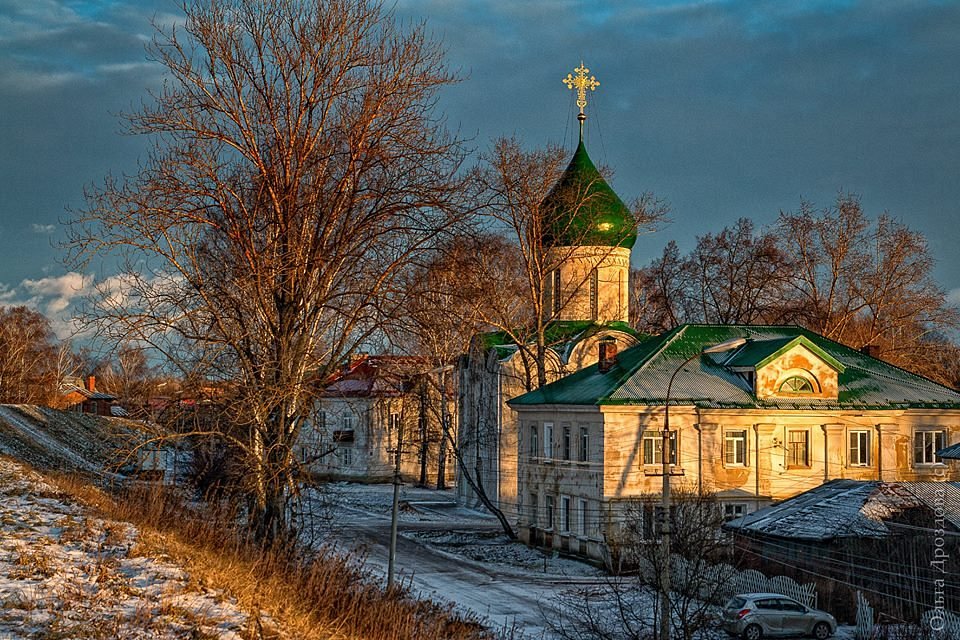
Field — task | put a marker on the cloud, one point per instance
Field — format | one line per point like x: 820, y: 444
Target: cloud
x: 953, y: 297
x: 43, y: 228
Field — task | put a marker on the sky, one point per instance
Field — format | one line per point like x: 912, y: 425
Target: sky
x: 723, y: 109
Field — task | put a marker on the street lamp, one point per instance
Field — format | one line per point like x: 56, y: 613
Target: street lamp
x: 665, y: 451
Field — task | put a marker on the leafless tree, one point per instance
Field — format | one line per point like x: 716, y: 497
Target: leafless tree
x: 520, y: 199
x: 621, y: 608
x: 831, y: 270
x: 29, y: 357
x: 866, y: 284
x: 298, y: 165
x: 129, y: 375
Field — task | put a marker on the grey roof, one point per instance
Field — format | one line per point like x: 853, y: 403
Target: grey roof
x: 643, y: 372
x: 950, y: 453
x: 90, y: 395
x: 849, y: 509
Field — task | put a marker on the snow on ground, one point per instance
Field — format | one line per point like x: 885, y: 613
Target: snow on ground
x: 65, y: 573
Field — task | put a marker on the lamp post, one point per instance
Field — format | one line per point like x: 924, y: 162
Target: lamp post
x: 665, y: 451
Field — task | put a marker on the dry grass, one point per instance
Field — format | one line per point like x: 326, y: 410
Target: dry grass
x: 323, y: 597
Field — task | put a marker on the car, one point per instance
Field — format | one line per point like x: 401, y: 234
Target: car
x: 753, y: 616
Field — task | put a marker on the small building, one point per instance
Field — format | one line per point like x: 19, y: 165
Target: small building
x: 372, y: 406
x: 892, y: 541
x: 785, y: 412
x: 82, y: 396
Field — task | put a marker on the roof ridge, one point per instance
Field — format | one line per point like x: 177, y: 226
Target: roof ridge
x: 678, y: 331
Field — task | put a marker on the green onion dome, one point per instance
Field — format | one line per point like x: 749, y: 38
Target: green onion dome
x: 583, y: 210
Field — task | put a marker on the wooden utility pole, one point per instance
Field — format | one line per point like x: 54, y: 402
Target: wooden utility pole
x: 394, y: 516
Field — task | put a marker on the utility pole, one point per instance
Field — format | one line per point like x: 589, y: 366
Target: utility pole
x: 666, y: 454
x: 396, y: 501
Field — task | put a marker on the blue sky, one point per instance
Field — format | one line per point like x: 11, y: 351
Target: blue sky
x: 723, y: 109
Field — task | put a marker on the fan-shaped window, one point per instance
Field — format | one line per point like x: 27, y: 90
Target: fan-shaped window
x: 796, y: 384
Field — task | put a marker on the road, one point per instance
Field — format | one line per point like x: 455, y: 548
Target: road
x: 504, y: 595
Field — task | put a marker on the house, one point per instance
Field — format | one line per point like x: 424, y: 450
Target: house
x: 587, y: 236
x: 890, y: 540
x: 82, y: 396
x: 372, y: 407
x: 783, y: 413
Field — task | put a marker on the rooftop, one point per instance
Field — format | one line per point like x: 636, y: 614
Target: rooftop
x: 642, y: 373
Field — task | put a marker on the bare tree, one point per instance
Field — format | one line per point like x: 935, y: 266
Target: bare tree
x: 550, y: 216
x: 298, y: 166
x: 831, y: 270
x: 867, y: 284
x: 29, y: 357
x: 129, y: 376
x: 701, y: 576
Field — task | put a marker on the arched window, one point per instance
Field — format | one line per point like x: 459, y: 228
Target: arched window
x: 796, y: 384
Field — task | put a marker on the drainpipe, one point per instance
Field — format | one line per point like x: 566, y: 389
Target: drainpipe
x: 699, y: 455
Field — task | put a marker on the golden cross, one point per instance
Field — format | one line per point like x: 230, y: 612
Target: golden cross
x: 582, y: 83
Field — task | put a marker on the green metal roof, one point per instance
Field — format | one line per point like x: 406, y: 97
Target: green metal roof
x: 561, y: 336
x: 583, y: 210
x: 642, y: 373
x: 759, y: 353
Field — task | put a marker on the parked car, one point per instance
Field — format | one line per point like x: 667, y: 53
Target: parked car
x: 753, y: 616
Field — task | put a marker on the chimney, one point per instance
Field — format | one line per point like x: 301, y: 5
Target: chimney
x: 608, y: 354
x: 872, y: 350
x: 91, y: 383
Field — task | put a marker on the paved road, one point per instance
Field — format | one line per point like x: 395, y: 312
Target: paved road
x: 503, y: 595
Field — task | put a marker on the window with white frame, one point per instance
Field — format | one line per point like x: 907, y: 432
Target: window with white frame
x: 346, y: 456
x: 534, y: 444
x: 549, y: 512
x: 565, y: 444
x: 321, y: 420
x: 547, y: 439
x: 732, y: 510
x: 735, y: 447
x: 565, y: 513
x: 349, y: 421
x: 859, y: 450
x: 584, y: 444
x: 582, y: 517
x: 926, y: 444
x: 653, y: 448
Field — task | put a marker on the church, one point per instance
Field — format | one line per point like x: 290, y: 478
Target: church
x: 757, y: 414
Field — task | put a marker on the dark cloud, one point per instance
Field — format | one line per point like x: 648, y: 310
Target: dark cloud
x: 723, y: 108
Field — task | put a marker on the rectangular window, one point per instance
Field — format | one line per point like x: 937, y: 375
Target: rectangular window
x: 582, y: 522
x: 534, y: 505
x: 735, y: 448
x: 653, y: 448
x: 859, y: 453
x: 550, y: 520
x: 348, y: 422
x: 565, y: 513
x: 584, y: 444
x: 321, y: 420
x: 926, y: 444
x: 555, y: 292
x: 732, y: 510
x: 534, y: 447
x: 566, y: 444
x: 547, y: 439
x: 346, y: 456
x: 798, y: 448
x: 594, y: 294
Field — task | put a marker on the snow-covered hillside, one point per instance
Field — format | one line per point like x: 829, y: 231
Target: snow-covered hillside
x: 51, y: 439
x: 67, y: 574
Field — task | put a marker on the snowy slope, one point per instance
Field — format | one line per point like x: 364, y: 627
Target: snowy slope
x: 67, y: 574
x: 60, y: 440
